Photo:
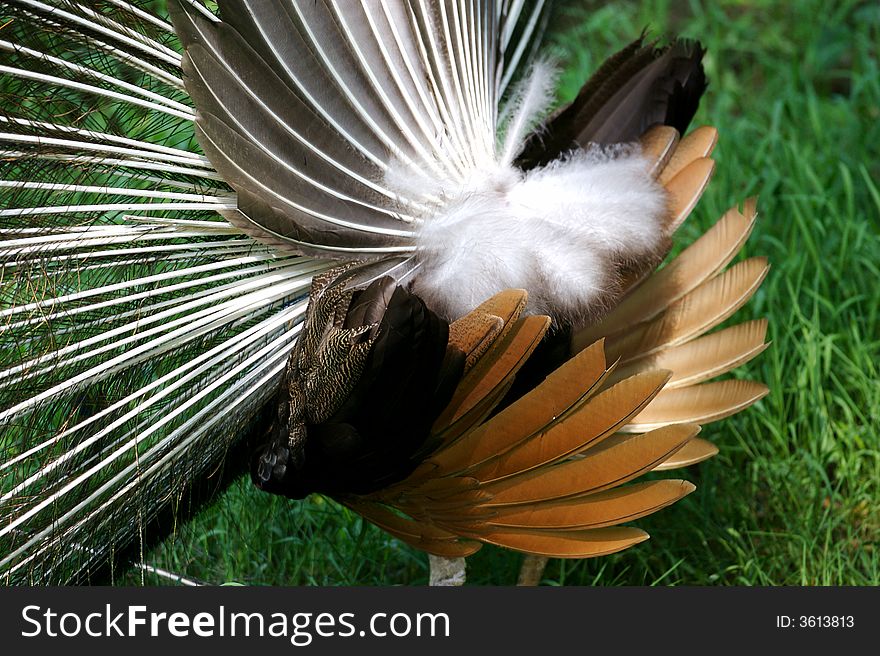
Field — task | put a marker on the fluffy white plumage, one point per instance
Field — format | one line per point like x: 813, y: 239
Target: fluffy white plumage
x: 562, y: 231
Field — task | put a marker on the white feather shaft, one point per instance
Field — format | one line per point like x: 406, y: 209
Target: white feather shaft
x: 530, y: 102
x: 144, y: 15
x: 93, y: 236
x: 194, y: 429
x: 376, y: 159
x: 224, y: 314
x: 128, y: 37
x: 139, y: 328
x: 422, y: 108
x: 111, y: 162
x: 418, y: 145
x: 97, y: 75
x: 56, y: 81
x: 131, y: 444
x: 85, y: 146
x: 116, y: 191
x: 118, y: 29
x: 423, y: 78
x: 138, y: 282
x: 107, y: 138
x: 180, y: 379
x: 287, y: 166
x: 115, y: 207
x: 511, y: 64
x: 256, y: 183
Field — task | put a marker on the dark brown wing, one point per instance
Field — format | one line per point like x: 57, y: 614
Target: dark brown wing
x: 641, y: 86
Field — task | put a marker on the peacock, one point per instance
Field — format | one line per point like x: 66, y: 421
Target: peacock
x: 350, y: 248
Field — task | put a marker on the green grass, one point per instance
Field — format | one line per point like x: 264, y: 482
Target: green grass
x: 794, y: 496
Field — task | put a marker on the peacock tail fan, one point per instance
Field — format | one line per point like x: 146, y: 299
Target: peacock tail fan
x: 347, y: 247
x: 143, y: 328
x: 140, y: 331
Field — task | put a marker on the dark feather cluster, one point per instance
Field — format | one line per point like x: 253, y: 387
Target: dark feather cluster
x: 640, y: 86
x: 353, y: 441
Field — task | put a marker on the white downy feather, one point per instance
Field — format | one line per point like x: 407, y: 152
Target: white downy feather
x: 560, y: 231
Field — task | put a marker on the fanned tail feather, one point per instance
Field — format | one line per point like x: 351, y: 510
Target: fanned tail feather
x: 140, y: 331
x: 151, y: 294
x: 171, y: 186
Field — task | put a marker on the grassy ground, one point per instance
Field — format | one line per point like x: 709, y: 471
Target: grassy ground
x: 794, y: 496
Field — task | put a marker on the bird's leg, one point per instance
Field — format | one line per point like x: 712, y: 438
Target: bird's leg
x: 532, y: 570
x: 446, y: 571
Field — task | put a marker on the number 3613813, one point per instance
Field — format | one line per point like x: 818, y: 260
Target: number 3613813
x: 815, y: 621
